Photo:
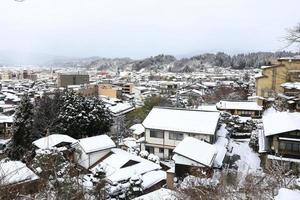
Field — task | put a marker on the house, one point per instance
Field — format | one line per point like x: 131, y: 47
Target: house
x: 119, y: 109
x: 241, y: 108
x: 89, y: 151
x: 281, y: 135
x: 138, y: 131
x: 15, y: 176
x: 119, y: 166
x: 166, y: 127
x: 54, y: 141
x: 192, y: 152
x: 269, y: 82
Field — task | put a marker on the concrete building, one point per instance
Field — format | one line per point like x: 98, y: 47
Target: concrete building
x: 269, y: 82
x: 109, y: 90
x: 65, y: 79
x: 127, y: 88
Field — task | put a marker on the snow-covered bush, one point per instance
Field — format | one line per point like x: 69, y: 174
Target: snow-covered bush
x: 144, y: 154
x: 153, y: 158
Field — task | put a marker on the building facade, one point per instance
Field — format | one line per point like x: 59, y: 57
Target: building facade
x: 63, y: 80
x: 268, y: 83
x: 165, y: 128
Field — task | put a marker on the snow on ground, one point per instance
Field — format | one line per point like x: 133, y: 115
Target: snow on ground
x: 221, y: 146
x: 249, y: 161
x: 287, y: 194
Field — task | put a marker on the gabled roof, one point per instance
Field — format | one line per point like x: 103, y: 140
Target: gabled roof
x: 53, y: 140
x: 281, y: 122
x: 117, y: 168
x: 13, y: 172
x: 181, y: 120
x: 96, y: 143
x: 196, y: 150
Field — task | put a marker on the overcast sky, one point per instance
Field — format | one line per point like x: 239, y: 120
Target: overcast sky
x: 141, y: 28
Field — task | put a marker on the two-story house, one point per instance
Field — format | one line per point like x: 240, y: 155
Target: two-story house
x: 282, y: 134
x: 166, y: 127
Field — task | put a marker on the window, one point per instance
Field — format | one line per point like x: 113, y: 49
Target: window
x: 175, y: 136
x: 170, y: 153
x: 156, y: 134
x: 161, y: 150
x: 150, y: 149
x: 289, y: 146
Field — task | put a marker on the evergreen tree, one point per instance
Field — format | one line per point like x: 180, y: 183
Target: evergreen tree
x: 135, y: 188
x: 45, y: 113
x: 82, y: 117
x: 22, y: 130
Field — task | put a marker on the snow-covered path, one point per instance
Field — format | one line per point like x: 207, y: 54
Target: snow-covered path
x: 249, y: 161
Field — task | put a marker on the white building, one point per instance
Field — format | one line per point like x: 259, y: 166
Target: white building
x: 166, y: 127
x: 89, y: 151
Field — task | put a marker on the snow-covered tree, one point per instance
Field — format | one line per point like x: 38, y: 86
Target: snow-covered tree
x: 135, y: 188
x: 81, y: 117
x: 23, y: 135
x: 45, y: 112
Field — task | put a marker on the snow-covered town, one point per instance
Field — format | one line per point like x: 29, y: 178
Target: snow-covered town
x: 206, y: 126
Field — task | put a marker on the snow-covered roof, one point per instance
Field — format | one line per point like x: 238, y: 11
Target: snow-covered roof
x: 6, y: 119
x: 238, y: 105
x: 96, y: 143
x: 114, y: 168
x: 207, y: 108
x: 287, y: 194
x: 137, y: 129
x: 297, y: 57
x: 152, y: 178
x: 161, y: 194
x: 189, y: 121
x: 280, y: 122
x: 120, y: 108
x: 196, y: 150
x: 291, y: 85
x: 53, y: 140
x: 13, y: 172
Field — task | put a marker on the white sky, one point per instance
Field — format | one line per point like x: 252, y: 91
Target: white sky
x: 141, y: 28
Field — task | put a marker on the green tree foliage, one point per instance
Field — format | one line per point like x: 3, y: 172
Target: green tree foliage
x: 22, y: 130
x: 139, y: 114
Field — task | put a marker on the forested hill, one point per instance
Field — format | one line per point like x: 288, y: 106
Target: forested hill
x: 171, y: 63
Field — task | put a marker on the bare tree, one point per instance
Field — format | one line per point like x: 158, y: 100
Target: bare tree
x: 293, y: 36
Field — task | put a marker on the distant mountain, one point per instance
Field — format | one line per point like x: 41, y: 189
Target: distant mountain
x: 160, y: 62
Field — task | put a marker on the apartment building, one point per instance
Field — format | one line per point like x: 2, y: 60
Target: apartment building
x: 269, y: 82
x: 109, y: 90
x: 65, y: 79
